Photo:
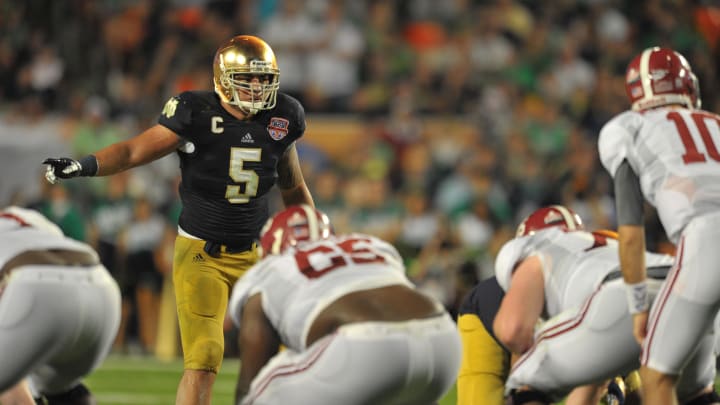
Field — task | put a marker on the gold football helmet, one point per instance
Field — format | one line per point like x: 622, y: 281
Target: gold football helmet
x: 246, y: 74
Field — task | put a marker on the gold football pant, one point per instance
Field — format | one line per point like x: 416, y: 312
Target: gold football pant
x: 484, y: 367
x: 202, y: 290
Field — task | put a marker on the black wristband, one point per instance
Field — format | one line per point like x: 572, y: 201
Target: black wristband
x: 88, y: 166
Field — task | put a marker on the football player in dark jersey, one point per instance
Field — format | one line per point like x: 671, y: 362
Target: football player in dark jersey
x: 234, y: 144
x: 485, y: 363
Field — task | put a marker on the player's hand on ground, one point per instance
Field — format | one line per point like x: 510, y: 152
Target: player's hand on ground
x: 640, y: 326
x: 61, y: 168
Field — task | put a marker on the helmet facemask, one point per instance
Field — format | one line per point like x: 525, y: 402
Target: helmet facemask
x: 247, y: 94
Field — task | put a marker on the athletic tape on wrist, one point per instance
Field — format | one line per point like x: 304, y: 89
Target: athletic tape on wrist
x: 88, y: 166
x: 637, y: 297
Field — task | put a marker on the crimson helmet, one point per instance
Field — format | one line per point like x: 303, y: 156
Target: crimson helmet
x: 295, y: 224
x: 661, y: 76
x: 548, y: 217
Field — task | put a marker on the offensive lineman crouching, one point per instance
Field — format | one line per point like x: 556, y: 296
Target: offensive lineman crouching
x: 59, y: 312
x: 357, y: 331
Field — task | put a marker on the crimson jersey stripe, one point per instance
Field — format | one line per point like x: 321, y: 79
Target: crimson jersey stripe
x: 289, y: 369
x: 559, y: 329
x: 14, y: 217
x: 655, y: 314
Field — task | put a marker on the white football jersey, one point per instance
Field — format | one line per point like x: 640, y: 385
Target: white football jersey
x: 573, y: 264
x: 16, y: 238
x: 674, y: 152
x: 299, y: 283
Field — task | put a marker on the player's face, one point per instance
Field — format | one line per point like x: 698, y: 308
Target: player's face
x: 254, y: 91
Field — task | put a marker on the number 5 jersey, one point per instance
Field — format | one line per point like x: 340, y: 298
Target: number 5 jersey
x: 228, y: 165
x: 299, y: 283
x: 674, y: 152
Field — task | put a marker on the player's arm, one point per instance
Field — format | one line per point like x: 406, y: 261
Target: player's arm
x: 290, y: 180
x: 631, y: 231
x: 521, y: 307
x: 259, y: 342
x: 631, y: 244
x: 152, y: 144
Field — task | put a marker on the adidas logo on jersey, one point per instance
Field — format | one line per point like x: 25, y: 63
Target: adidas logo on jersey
x: 247, y: 138
x: 198, y: 258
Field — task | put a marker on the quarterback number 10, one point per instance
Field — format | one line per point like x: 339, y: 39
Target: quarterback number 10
x: 692, y: 154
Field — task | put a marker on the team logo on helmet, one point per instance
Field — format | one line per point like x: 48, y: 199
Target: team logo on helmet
x: 633, y: 75
x: 658, y: 74
x: 296, y: 223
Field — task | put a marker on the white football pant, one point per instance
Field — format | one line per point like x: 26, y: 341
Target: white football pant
x: 404, y: 363
x: 57, y: 323
x: 594, y: 343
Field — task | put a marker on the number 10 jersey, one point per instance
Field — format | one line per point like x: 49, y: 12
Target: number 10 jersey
x: 674, y: 152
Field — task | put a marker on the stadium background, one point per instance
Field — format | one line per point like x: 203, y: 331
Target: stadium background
x: 436, y: 125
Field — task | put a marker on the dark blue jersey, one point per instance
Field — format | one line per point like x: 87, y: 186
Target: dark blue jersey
x: 228, y: 165
x: 484, y: 301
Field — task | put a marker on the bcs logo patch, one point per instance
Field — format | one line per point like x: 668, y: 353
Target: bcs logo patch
x: 278, y: 128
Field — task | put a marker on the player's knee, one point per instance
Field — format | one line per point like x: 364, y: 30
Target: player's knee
x: 206, y: 354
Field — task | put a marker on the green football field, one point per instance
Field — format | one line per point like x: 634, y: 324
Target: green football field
x: 123, y: 380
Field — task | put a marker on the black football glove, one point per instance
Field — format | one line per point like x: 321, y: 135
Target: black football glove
x: 66, y: 168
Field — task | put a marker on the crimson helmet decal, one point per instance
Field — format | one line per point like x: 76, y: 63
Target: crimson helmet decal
x: 548, y: 217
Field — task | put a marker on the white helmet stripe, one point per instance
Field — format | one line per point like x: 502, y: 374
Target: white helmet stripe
x: 277, y: 241
x: 567, y: 216
x: 645, y: 73
x: 312, y: 222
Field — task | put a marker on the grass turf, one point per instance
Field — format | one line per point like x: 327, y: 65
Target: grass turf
x: 124, y: 380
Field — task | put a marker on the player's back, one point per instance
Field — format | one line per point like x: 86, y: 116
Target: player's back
x: 574, y: 263
x: 17, y: 236
x: 298, y: 284
x: 675, y: 153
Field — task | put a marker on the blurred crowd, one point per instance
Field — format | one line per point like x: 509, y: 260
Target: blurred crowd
x: 523, y: 88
